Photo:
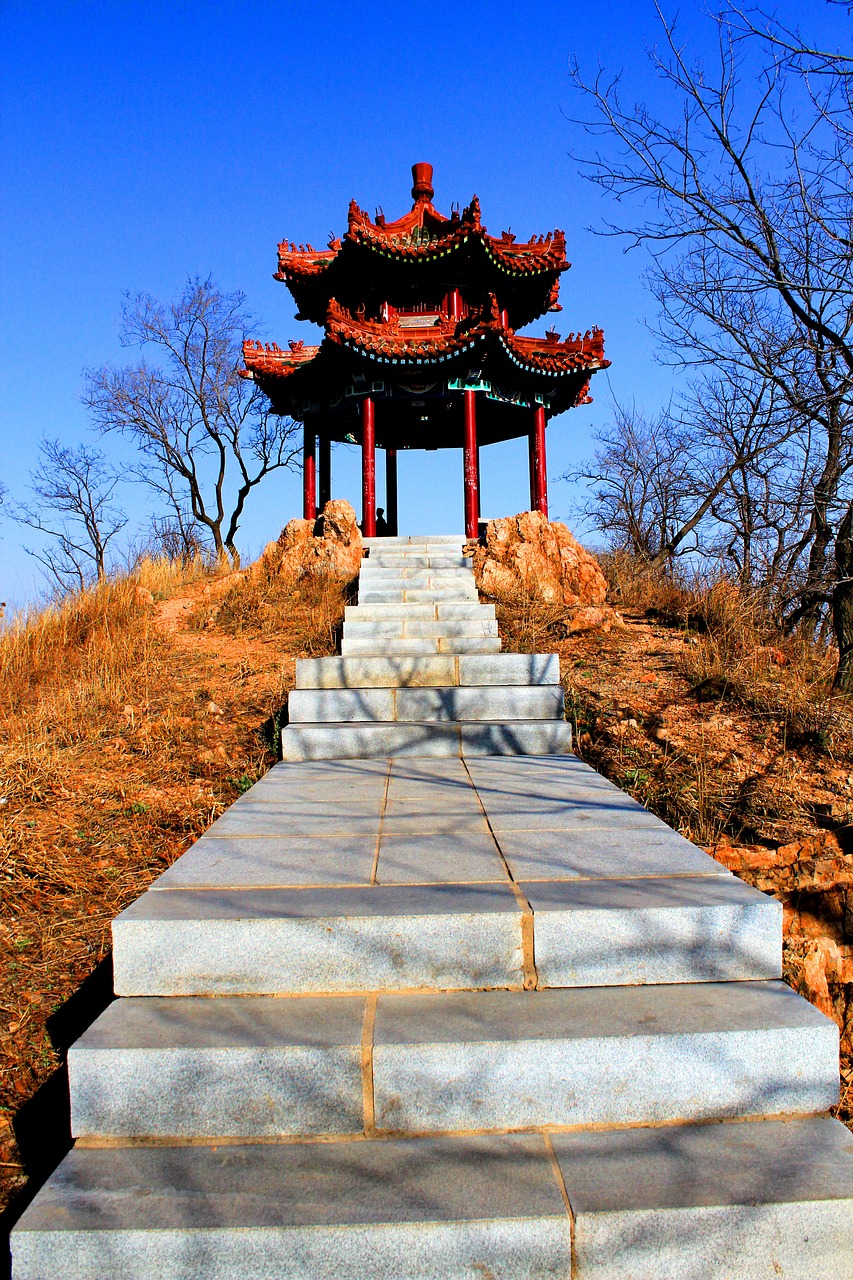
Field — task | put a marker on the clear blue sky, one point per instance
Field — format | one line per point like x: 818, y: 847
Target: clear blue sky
x: 142, y: 143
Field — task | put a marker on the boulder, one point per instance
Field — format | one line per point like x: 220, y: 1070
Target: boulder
x: 526, y: 555
x: 330, y: 546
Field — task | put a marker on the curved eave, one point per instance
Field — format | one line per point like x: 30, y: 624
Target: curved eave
x: 516, y: 262
x: 271, y: 361
x: 572, y: 356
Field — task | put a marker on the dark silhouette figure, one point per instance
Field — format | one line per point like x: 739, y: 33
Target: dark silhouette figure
x: 382, y: 530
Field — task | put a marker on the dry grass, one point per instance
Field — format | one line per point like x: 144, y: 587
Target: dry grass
x: 529, y: 625
x: 304, y: 614
x: 120, y: 741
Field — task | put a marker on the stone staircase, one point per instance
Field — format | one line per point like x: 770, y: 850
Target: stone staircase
x: 435, y: 1000
x: 421, y: 672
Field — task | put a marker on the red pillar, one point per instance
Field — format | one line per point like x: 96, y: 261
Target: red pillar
x: 309, y: 473
x: 368, y: 469
x: 325, y: 471
x: 538, y: 470
x: 469, y: 465
x: 391, y: 491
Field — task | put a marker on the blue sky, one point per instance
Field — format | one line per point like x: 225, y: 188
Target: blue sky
x: 142, y: 143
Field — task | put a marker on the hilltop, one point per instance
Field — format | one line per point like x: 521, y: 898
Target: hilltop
x: 138, y: 711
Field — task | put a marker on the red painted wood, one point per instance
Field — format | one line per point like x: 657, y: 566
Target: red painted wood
x: 391, y: 491
x: 325, y: 471
x: 531, y: 462
x: 309, y: 474
x: 368, y: 468
x: 538, y: 468
x: 469, y: 465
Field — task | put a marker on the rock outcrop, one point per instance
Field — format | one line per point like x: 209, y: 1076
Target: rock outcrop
x: 331, y: 545
x: 527, y: 556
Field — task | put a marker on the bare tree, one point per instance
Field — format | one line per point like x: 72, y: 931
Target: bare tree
x: 73, y: 504
x: 691, y: 480
x: 206, y: 435
x: 746, y: 205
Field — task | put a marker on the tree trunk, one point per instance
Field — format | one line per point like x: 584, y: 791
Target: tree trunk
x: 842, y: 603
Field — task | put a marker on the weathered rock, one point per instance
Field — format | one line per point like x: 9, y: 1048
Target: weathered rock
x: 526, y: 555
x: 330, y: 546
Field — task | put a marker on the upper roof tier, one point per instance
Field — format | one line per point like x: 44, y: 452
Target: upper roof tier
x: 422, y: 257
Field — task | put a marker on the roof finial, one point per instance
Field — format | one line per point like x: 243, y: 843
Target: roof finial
x: 422, y: 175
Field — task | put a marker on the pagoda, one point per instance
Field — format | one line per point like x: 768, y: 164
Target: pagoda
x: 421, y: 348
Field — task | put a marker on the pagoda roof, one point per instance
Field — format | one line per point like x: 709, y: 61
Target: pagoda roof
x: 426, y: 238
x: 355, y: 349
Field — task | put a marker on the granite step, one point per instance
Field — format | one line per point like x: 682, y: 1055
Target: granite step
x: 524, y: 669
x: 372, y: 571
x: 448, y: 703
x: 194, y: 935
x: 304, y: 941
x: 421, y: 594
x: 614, y: 1055
x: 365, y: 646
x: 340, y: 741
x: 420, y: 628
x: 416, y: 560
x: 766, y: 1198
x: 500, y: 1060
x: 452, y: 611
x: 413, y: 542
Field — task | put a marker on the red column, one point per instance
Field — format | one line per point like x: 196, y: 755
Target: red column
x: 469, y: 465
x: 391, y: 491
x: 309, y: 473
x: 368, y: 469
x: 531, y: 458
x: 538, y: 470
x: 325, y: 471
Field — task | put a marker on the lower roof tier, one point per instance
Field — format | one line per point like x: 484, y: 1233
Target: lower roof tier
x: 355, y: 359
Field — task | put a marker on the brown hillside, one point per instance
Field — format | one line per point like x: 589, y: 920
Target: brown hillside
x: 135, y: 714
x: 132, y: 716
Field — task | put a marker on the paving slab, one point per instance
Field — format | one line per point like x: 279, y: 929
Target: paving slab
x: 610, y: 1055
x: 401, y: 819
x: 256, y: 818
x: 426, y: 1209
x: 593, y: 852
x: 232, y: 1067
x: 233, y: 862
x: 756, y: 1201
x: 593, y: 933
x: 286, y: 941
x: 454, y: 858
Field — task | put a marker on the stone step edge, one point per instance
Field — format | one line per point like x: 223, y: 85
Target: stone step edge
x: 393, y: 705
x: 377, y: 1080
x: 496, y: 934
x: 412, y: 671
x: 336, y: 740
x: 761, y: 1198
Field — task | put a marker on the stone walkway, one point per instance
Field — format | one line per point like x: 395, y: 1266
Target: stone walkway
x: 435, y: 1000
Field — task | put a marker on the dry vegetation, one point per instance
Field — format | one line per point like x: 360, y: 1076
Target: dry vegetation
x: 132, y: 715
x: 731, y: 732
